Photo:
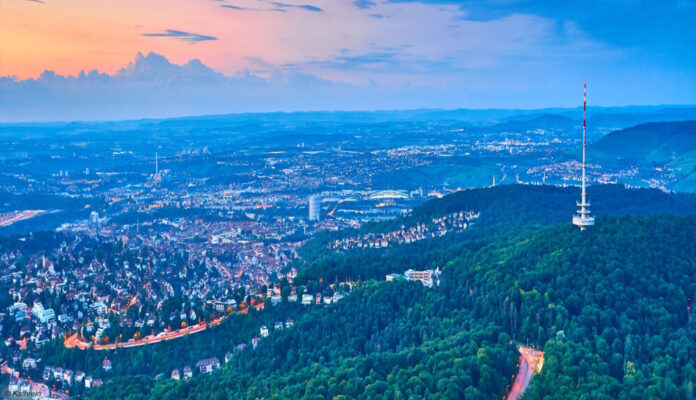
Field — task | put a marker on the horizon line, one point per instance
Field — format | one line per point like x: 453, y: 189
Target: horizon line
x: 325, y: 111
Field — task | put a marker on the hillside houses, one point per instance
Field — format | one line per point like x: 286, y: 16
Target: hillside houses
x: 208, y: 365
x: 454, y: 222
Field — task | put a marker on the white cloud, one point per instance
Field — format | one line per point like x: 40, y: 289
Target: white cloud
x: 151, y: 87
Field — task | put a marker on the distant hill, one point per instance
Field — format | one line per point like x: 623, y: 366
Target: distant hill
x: 655, y: 141
x: 605, y: 117
x: 543, y: 121
x: 620, y: 118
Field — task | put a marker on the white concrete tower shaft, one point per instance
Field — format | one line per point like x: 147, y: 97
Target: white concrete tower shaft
x: 583, y: 218
x: 584, y: 143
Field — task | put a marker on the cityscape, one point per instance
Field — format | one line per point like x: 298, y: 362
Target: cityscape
x: 127, y: 249
x: 347, y: 200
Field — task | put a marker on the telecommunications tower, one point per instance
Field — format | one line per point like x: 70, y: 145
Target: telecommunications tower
x: 583, y: 218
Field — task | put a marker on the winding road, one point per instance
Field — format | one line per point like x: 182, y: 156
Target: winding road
x: 531, y: 362
x: 76, y: 341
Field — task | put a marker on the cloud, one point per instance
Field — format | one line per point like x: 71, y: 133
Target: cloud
x: 364, y: 4
x: 152, y: 87
x: 310, y: 8
x: 277, y: 7
x: 233, y: 7
x: 307, y: 7
x: 181, y: 35
x: 36, y: 1
x: 155, y: 68
x: 349, y: 62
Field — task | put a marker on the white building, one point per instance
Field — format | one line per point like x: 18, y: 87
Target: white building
x: 314, y: 208
x: 427, y: 277
x: 44, y: 315
x: 37, y: 309
x: 208, y: 365
x: 264, y: 331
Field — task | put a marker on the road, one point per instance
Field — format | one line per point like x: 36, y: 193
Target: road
x: 10, y: 219
x: 75, y: 341
x: 531, y: 362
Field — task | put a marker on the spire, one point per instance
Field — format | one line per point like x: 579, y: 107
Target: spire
x: 583, y: 218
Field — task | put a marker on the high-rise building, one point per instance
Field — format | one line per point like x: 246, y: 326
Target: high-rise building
x: 583, y: 218
x: 94, y: 218
x: 314, y: 208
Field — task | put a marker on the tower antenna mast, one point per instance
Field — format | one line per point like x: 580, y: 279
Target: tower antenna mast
x: 583, y: 218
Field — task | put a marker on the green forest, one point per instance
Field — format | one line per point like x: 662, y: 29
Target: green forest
x: 611, y: 308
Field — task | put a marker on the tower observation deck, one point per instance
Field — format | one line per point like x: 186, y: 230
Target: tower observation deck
x: 582, y: 218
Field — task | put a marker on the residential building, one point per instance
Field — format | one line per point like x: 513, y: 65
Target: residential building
x: 208, y: 365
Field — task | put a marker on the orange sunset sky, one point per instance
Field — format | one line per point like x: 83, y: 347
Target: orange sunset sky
x: 68, y: 36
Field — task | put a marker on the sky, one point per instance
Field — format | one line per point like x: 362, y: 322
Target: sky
x: 98, y: 59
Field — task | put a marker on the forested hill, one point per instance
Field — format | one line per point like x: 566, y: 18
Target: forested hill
x: 612, y: 308
x: 655, y: 141
x: 515, y: 206
x: 507, y: 209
